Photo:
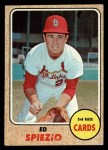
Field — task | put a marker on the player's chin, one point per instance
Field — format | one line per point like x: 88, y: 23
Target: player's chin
x: 56, y: 52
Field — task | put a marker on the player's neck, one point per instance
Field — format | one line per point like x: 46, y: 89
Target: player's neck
x: 54, y: 57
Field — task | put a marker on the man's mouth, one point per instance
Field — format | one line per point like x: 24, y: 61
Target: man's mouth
x: 55, y: 47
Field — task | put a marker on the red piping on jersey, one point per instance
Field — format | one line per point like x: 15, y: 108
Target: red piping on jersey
x: 30, y: 81
x: 70, y: 87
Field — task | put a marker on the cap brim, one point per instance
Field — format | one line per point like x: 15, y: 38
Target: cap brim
x: 55, y: 31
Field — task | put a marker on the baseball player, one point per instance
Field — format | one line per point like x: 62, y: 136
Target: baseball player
x: 52, y: 70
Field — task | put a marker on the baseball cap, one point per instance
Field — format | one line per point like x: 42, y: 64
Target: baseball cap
x: 55, y: 24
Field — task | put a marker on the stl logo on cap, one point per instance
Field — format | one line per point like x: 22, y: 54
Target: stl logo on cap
x: 55, y: 22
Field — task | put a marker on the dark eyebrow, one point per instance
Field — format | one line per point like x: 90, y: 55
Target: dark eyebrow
x: 60, y: 36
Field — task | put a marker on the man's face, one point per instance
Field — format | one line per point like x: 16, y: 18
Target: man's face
x: 55, y: 43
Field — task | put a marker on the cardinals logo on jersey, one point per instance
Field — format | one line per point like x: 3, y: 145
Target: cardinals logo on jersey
x: 59, y: 75
x: 45, y: 73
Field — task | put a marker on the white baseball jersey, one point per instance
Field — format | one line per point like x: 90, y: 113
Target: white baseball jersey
x: 52, y: 73
x: 51, y: 76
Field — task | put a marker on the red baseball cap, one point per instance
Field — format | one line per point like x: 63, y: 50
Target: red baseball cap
x: 56, y: 24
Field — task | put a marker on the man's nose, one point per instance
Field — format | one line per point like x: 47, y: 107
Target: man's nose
x: 55, y: 40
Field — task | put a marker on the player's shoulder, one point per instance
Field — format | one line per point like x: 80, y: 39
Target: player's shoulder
x: 37, y: 49
x: 72, y: 52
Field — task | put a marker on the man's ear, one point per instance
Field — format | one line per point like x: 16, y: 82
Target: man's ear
x: 44, y: 37
x: 67, y: 37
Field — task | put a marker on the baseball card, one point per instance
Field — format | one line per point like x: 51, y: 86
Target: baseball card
x: 54, y: 75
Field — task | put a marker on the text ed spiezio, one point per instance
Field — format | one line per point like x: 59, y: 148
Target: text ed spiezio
x: 43, y: 137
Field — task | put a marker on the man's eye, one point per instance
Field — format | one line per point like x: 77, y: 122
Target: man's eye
x: 60, y: 37
x: 50, y: 36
